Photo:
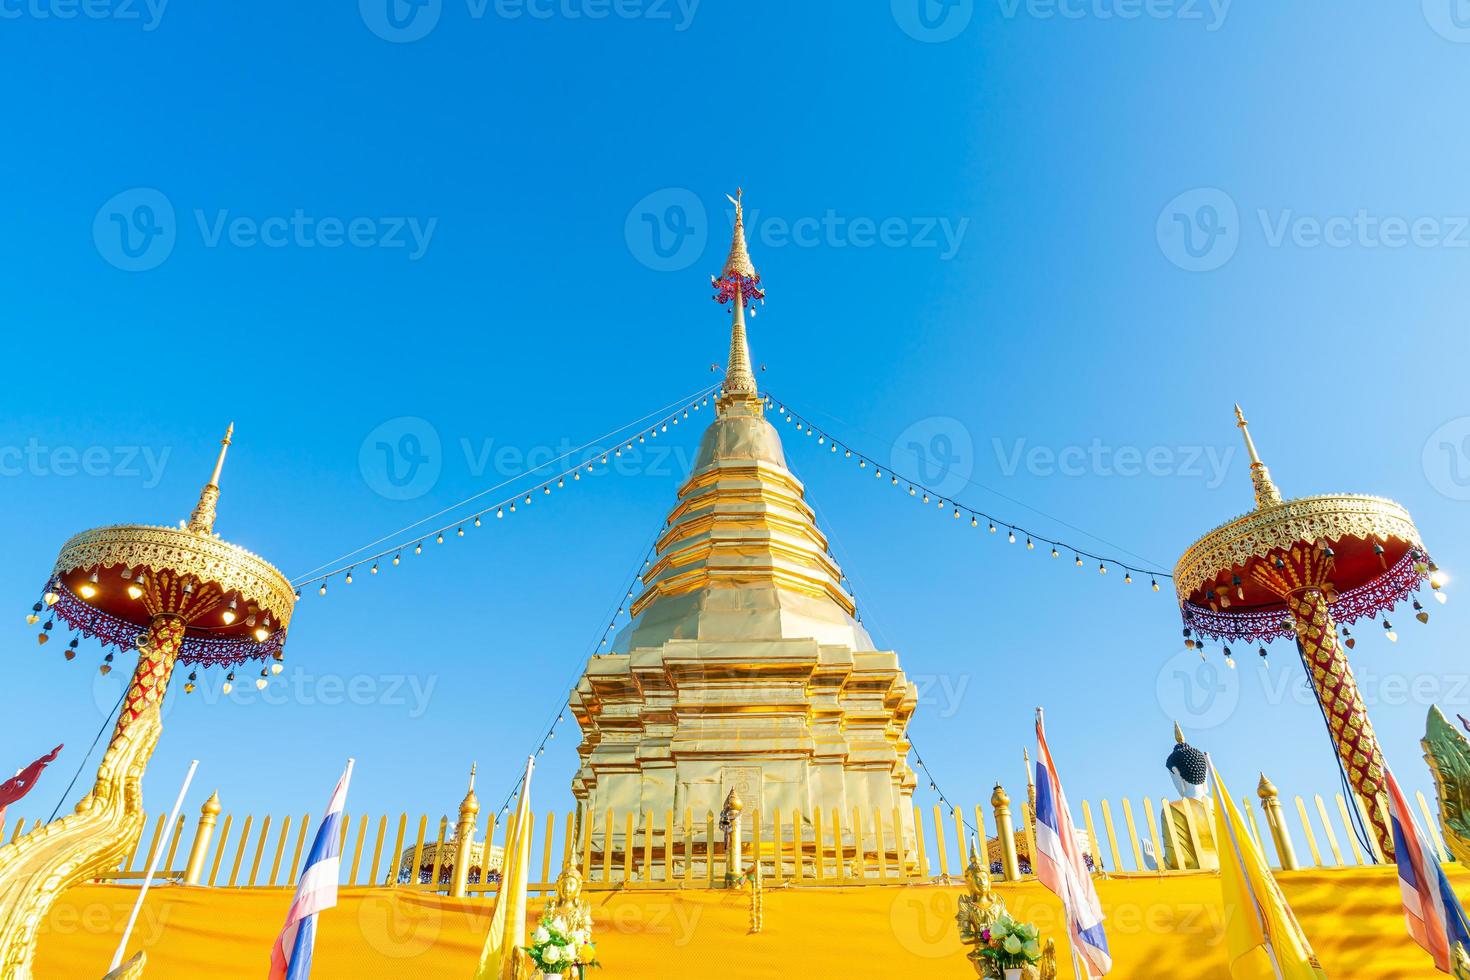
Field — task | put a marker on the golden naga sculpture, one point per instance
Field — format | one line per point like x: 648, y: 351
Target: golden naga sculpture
x: 1304, y: 569
x: 195, y: 599
x: 1448, y: 754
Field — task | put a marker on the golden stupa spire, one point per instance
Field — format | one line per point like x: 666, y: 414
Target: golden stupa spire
x: 470, y: 805
x: 738, y: 282
x: 201, y: 521
x: 1266, y: 493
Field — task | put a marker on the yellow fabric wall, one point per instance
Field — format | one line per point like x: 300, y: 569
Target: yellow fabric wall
x: 1158, y: 928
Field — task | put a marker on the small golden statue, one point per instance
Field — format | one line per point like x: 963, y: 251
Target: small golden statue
x: 1049, y: 961
x: 569, y: 903
x: 1461, y: 963
x: 978, y: 911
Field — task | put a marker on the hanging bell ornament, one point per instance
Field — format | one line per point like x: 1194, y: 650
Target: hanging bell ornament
x: 32, y: 619
x: 1419, y: 612
x: 1388, y: 632
x: 1347, y: 639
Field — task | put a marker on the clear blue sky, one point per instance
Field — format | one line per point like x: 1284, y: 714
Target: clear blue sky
x: 1068, y: 331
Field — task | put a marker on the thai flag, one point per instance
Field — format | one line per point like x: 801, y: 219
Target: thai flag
x: 1060, y: 865
x: 317, y: 890
x: 1436, y: 920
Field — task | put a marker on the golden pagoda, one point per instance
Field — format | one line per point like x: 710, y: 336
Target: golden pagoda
x: 744, y: 666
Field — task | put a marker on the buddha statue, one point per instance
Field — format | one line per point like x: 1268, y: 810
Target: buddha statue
x: 1187, y: 824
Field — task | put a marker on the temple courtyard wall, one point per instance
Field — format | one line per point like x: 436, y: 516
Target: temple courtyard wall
x: 1158, y: 927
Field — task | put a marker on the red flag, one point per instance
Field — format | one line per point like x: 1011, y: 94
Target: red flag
x: 20, y: 784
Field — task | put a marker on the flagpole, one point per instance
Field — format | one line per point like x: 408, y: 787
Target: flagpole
x: 168, y: 831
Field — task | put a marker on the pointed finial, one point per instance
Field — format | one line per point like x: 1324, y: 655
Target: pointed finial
x: 201, y: 521
x: 470, y: 805
x: 1266, y: 493
x: 1265, y: 789
x: 738, y: 283
x: 212, y: 805
x: 1178, y: 734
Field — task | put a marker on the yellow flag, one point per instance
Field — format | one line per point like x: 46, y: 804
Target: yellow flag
x: 1263, y: 939
x: 499, y: 958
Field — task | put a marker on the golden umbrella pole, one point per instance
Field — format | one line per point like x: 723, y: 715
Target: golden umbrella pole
x: 195, y: 599
x: 1298, y: 568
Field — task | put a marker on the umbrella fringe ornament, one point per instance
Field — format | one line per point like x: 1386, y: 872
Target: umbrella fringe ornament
x: 1299, y: 568
x: 183, y: 588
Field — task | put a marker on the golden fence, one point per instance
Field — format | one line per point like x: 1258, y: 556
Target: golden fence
x: 648, y: 850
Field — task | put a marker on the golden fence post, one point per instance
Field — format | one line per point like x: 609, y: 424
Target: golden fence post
x: 362, y: 820
x: 939, y: 846
x: 586, y: 846
x: 646, y: 872
x: 1276, y: 821
x: 219, y: 850
x: 629, y: 840
x: 798, y: 846
x: 920, y: 854
x: 547, y: 846
x: 777, y: 871
x: 1347, y: 824
x: 668, y: 844
x: 1301, y: 809
x: 203, y: 831
x: 438, y: 864
x: 156, y: 842
x: 709, y: 849
x: 1107, y: 815
x: 859, y: 865
x: 166, y: 866
x: 1010, y: 867
x: 882, y: 847
x: 1432, y: 826
x: 839, y: 850
x: 689, y: 844
x: 959, y: 837
x: 1132, y: 825
x: 1327, y: 826
x: 280, y: 850
x: 607, y: 845
x: 418, y: 850
x: 240, y: 850
x: 755, y: 845
x: 1097, y: 854
x: 1153, y: 832
x: 821, y: 847
x: 265, y: 830
x: 300, y: 843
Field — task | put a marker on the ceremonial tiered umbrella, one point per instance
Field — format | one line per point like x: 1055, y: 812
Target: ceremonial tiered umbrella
x: 1299, y: 568
x: 177, y: 595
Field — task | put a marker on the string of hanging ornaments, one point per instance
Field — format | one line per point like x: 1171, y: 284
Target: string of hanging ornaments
x: 623, y: 605
x: 262, y: 637
x: 915, y: 489
x: 502, y: 509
